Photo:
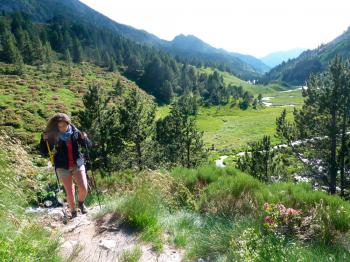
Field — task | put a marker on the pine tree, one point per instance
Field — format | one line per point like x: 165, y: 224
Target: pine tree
x: 178, y: 137
x: 118, y: 88
x: 27, y: 49
x: 257, y: 160
x: 10, y: 53
x: 100, y: 120
x: 112, y: 65
x: 77, y: 51
x: 137, y: 114
x: 246, y: 100
x: 19, y: 65
x: 68, y: 59
x: 344, y: 151
x: 323, y: 122
x: 67, y: 42
x: 48, y: 56
x: 255, y: 103
x: 38, y: 50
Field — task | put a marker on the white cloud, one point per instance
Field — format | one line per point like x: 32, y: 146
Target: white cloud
x: 255, y: 27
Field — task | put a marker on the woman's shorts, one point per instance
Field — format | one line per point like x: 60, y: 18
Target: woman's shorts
x: 62, y: 172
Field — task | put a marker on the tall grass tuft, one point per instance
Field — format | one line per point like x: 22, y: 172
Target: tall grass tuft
x: 21, y: 238
x: 141, y: 209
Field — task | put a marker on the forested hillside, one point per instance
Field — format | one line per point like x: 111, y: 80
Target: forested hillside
x: 296, y: 71
x: 244, y: 66
x: 26, y: 42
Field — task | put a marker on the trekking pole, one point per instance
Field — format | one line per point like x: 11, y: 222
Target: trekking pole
x: 57, y: 183
x: 53, y: 164
x: 93, y: 175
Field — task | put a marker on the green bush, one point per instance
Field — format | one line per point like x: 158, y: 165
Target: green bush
x: 200, y: 176
x: 254, y: 245
x: 142, y: 208
x: 132, y: 255
x: 181, y: 226
x: 333, y: 211
x: 117, y: 181
x: 232, y: 195
x: 242, y: 194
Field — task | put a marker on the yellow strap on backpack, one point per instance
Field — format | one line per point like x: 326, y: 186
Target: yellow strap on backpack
x: 50, y: 152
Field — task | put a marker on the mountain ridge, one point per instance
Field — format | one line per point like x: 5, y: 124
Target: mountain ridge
x: 183, y: 44
x: 296, y: 71
x: 42, y: 11
x: 276, y: 58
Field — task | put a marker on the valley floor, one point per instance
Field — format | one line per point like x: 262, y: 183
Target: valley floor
x: 230, y: 129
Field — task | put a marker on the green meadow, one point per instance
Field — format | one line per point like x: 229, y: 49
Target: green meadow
x: 230, y: 128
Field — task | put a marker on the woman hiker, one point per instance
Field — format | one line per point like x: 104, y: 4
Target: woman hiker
x: 68, y: 160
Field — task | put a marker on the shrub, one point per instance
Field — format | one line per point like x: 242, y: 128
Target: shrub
x: 254, y: 245
x: 324, y: 215
x: 319, y: 225
x: 302, y: 196
x: 182, y: 226
x: 280, y: 219
x: 231, y: 195
x: 201, y: 176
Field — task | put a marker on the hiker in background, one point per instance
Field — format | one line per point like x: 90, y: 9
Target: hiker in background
x: 62, y: 135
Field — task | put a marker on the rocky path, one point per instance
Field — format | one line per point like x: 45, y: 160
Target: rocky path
x: 105, y: 239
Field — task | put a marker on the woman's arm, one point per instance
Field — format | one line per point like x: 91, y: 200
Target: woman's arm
x: 43, y: 146
x: 84, y: 140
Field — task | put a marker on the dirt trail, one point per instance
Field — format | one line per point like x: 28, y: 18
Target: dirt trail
x: 103, y: 239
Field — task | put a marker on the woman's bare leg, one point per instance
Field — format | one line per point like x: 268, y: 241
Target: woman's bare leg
x: 80, y: 179
x: 70, y: 190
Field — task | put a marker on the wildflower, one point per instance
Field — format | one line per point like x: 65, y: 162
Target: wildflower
x: 269, y: 220
x: 281, y: 208
x: 292, y: 211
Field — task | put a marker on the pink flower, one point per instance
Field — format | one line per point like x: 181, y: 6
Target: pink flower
x: 269, y: 220
x: 292, y: 211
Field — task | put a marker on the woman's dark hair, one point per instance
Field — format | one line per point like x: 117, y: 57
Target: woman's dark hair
x: 52, y: 126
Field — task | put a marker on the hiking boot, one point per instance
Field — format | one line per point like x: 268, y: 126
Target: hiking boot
x: 82, y: 207
x: 73, y: 213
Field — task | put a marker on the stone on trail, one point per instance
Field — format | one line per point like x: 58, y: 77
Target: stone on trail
x: 107, y: 244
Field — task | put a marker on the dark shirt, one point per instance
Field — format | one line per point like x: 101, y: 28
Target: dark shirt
x: 61, y: 159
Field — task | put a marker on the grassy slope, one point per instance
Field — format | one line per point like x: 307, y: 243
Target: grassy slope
x: 255, y: 89
x: 28, y: 101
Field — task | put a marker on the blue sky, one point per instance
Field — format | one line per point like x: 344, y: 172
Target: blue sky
x: 255, y: 27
